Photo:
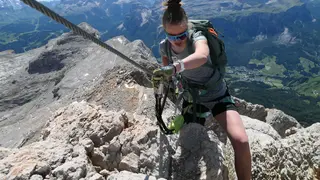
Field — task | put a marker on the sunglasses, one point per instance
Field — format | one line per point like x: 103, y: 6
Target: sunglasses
x: 178, y: 37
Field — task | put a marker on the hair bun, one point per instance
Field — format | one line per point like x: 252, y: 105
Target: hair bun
x: 173, y: 3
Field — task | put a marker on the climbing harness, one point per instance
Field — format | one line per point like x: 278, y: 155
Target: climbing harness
x: 161, y: 90
x: 48, y: 12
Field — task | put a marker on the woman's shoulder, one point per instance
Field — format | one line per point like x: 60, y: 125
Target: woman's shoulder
x: 199, y: 35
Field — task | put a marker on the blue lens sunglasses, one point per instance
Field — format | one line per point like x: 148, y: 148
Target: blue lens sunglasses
x: 178, y: 37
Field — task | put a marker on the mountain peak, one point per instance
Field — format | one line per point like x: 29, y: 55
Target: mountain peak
x: 89, y: 29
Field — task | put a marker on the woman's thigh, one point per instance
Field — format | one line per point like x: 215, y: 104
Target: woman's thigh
x: 231, y: 122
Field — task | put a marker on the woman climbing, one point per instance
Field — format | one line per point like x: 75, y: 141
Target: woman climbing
x: 188, y: 55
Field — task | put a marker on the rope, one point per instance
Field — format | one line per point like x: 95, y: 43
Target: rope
x: 44, y: 10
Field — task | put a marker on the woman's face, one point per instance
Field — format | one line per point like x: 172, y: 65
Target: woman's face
x: 177, y: 34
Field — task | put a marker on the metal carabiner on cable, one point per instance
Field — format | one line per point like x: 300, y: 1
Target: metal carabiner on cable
x: 160, y: 92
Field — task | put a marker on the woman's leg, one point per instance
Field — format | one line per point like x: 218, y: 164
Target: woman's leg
x: 231, y: 121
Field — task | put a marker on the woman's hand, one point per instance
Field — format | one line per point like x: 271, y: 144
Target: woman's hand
x: 165, y: 71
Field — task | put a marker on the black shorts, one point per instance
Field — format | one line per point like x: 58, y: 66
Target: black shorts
x: 218, y: 108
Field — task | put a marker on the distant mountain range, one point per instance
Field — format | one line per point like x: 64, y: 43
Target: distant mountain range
x: 264, y: 26
x: 276, y: 39
x: 17, y: 4
x: 14, y: 4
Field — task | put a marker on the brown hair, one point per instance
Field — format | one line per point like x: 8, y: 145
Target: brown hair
x: 174, y: 13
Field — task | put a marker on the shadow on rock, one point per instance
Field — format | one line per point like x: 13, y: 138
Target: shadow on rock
x: 199, y: 154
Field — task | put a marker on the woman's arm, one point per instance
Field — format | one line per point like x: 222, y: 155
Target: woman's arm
x: 198, y: 58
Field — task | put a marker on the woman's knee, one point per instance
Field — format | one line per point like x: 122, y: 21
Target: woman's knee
x: 232, y: 123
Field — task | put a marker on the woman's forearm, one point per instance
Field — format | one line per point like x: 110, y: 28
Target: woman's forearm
x: 192, y: 61
x: 196, y: 59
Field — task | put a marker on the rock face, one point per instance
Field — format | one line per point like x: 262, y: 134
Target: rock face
x: 281, y: 121
x: 294, y: 157
x: 35, y: 84
x: 259, y: 132
x: 82, y: 140
x: 130, y: 175
x: 255, y: 111
x: 93, y: 118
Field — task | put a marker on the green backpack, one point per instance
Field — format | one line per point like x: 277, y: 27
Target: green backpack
x: 216, y: 45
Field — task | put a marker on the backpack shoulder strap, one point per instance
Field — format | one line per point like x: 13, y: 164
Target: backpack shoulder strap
x: 168, y: 51
x: 216, y: 45
x: 193, y: 28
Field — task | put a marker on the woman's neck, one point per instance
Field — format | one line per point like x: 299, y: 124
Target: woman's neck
x: 177, y: 50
